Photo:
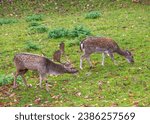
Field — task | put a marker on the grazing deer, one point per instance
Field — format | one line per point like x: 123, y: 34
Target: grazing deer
x: 57, y: 54
x: 105, y: 46
x: 27, y: 61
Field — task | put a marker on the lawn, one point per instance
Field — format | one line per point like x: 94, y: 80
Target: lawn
x: 123, y: 84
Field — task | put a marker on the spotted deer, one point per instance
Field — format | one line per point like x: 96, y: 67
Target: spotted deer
x: 103, y: 45
x: 41, y: 64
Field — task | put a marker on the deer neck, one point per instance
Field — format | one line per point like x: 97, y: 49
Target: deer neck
x: 121, y: 52
x: 54, y: 68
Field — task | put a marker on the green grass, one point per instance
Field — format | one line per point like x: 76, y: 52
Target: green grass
x: 38, y: 29
x: 31, y: 46
x: 58, y: 33
x: 7, y: 21
x: 34, y: 18
x: 77, y: 31
x: 6, y: 79
x: 33, y: 23
x: 92, y: 15
x: 122, y: 85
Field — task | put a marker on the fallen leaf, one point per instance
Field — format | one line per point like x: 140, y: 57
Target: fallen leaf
x: 131, y: 94
x: 28, y: 105
x: 56, y: 96
x: 114, y: 104
x: 136, y: 103
x: 78, y: 94
x: 1, y: 104
x: 84, y: 105
x: 37, y: 101
x: 86, y: 97
x: 100, y: 83
x: 11, y: 95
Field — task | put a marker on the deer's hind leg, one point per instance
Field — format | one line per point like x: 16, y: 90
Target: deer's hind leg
x: 22, y: 72
x: 87, y: 56
x: 15, y: 77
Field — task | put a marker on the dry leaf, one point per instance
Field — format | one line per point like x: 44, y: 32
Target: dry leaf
x: 100, y: 83
x: 1, y: 104
x: 11, y: 95
x: 37, y: 101
x: 78, y: 94
x: 56, y: 96
x: 86, y: 97
x: 114, y: 104
x: 136, y: 103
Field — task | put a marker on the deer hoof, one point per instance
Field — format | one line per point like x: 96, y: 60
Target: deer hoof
x: 81, y: 68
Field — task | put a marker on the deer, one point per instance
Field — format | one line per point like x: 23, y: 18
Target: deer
x: 104, y: 45
x: 57, y: 54
x: 44, y: 66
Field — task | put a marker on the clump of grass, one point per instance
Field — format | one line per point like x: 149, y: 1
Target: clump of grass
x: 39, y: 29
x: 78, y: 31
x: 7, y: 21
x: 57, y: 33
x: 31, y: 46
x: 75, y: 32
x: 5, y: 79
x: 35, y: 17
x: 33, y: 23
x: 74, y: 42
x: 92, y: 15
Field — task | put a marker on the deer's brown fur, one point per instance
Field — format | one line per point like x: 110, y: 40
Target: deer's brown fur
x: 41, y: 64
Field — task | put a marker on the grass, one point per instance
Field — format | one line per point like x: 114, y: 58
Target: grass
x: 92, y: 15
x: 77, y: 31
x: 7, y: 21
x: 33, y: 23
x: 35, y: 17
x: 31, y: 46
x: 38, y: 29
x: 58, y: 33
x: 6, y: 79
x: 121, y: 85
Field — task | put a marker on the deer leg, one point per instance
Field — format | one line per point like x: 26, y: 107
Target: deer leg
x: 103, y: 58
x: 24, y: 80
x: 22, y: 75
x: 87, y: 56
x: 47, y: 88
x: 112, y: 57
x: 90, y: 63
x: 81, y: 61
x: 41, y: 78
x: 15, y: 77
